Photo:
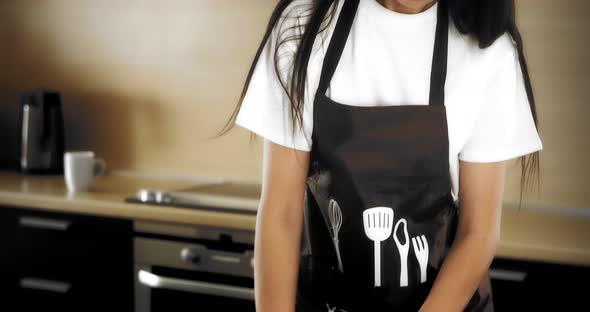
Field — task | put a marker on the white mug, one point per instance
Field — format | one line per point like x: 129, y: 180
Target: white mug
x: 80, y: 168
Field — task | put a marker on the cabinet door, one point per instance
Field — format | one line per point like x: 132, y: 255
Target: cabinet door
x: 519, y: 285
x: 67, y: 261
x: 35, y: 294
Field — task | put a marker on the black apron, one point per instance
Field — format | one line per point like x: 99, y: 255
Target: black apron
x: 379, y: 216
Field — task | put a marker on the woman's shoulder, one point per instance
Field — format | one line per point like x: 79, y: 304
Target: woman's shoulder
x: 297, y: 7
x: 290, y: 27
x: 466, y: 55
x: 294, y: 15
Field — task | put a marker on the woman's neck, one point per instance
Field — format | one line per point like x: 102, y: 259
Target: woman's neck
x: 407, y: 6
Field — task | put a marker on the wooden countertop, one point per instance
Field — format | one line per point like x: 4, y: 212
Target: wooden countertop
x: 107, y: 196
x: 526, y: 234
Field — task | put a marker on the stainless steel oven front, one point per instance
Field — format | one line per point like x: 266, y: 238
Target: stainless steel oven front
x: 184, y: 268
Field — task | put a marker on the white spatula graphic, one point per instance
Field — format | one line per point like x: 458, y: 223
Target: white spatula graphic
x: 378, y: 224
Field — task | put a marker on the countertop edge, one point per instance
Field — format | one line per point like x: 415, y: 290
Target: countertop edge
x: 130, y: 211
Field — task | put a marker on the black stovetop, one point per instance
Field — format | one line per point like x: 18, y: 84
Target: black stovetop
x: 231, y: 197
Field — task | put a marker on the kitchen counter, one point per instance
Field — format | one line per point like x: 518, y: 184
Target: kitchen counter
x: 107, y: 197
x: 532, y: 235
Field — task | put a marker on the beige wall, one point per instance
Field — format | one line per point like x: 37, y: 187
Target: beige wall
x: 555, y: 34
x: 145, y: 83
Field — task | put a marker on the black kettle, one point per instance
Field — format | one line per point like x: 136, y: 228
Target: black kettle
x: 41, y: 133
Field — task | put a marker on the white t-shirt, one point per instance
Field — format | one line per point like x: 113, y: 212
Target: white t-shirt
x: 386, y: 61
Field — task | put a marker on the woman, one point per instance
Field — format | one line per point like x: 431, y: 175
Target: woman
x: 373, y: 111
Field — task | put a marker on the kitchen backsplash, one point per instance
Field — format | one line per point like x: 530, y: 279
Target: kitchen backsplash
x: 146, y: 83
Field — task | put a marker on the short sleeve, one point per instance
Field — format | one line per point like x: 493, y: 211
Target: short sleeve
x: 504, y: 127
x: 265, y: 108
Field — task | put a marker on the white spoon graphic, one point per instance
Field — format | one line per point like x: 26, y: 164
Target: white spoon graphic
x: 403, y: 252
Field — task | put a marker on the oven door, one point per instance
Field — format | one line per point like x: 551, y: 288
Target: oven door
x: 166, y: 289
x: 168, y: 281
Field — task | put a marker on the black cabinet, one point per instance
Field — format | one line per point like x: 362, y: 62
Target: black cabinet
x: 65, y: 262
x: 70, y: 262
x: 519, y: 285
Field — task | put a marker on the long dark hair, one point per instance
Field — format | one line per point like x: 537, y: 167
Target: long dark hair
x: 484, y: 20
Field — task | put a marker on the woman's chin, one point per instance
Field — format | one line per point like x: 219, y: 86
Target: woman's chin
x: 415, y: 6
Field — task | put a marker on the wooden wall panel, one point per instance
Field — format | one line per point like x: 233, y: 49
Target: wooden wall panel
x: 556, y: 44
x: 145, y: 83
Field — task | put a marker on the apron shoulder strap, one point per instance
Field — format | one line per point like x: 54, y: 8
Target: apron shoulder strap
x: 340, y: 35
x: 438, y: 73
x: 337, y: 43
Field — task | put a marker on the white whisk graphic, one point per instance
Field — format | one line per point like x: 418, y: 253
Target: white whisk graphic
x: 335, y: 215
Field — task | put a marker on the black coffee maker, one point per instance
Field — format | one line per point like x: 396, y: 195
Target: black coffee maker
x: 41, y: 133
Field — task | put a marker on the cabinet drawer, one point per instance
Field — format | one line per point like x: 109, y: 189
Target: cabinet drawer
x: 59, y: 242
x: 519, y: 285
x: 65, y: 262
x: 25, y: 293
x: 30, y: 225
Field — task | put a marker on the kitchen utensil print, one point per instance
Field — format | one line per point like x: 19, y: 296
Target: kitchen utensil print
x: 334, y: 309
x: 378, y: 223
x: 403, y: 250
x: 335, y: 215
x: 421, y: 251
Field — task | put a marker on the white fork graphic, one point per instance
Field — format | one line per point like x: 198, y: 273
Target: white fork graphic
x: 421, y: 251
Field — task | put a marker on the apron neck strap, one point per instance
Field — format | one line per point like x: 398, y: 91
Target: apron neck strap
x: 337, y: 42
x: 340, y: 35
x: 438, y: 73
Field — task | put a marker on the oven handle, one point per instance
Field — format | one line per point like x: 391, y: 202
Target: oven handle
x: 155, y: 281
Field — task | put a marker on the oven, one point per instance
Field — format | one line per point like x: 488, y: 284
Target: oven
x: 190, y: 268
